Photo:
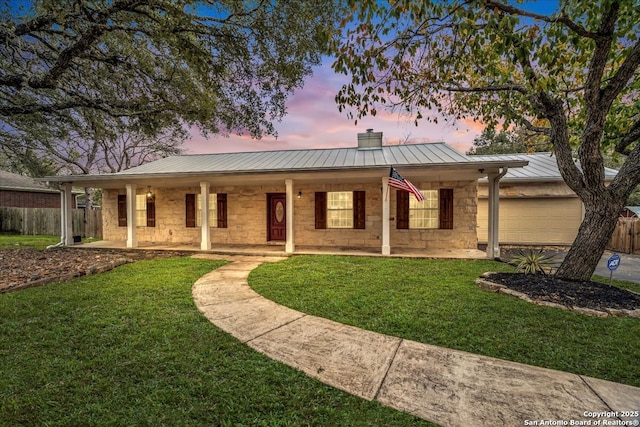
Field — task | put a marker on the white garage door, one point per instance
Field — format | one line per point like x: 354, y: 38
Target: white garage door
x: 534, y: 221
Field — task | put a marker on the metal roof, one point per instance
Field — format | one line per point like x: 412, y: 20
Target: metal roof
x: 304, y: 160
x: 13, y: 181
x: 541, y: 167
x: 422, y: 158
x: 634, y: 209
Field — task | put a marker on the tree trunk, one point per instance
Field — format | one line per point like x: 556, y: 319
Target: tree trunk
x: 595, y: 231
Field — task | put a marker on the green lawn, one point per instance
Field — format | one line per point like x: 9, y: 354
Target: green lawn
x: 437, y: 302
x: 14, y: 241
x: 129, y: 347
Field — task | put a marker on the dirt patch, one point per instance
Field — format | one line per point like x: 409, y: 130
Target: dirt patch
x: 28, y: 267
x: 592, y: 297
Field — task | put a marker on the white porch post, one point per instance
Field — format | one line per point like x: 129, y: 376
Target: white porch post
x: 289, y: 246
x: 132, y: 240
x: 386, y: 247
x: 67, y: 214
x: 63, y: 217
x: 205, y: 241
x: 493, y: 240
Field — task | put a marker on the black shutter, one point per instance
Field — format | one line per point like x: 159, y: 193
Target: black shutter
x: 190, y: 210
x: 122, y: 210
x: 222, y: 210
x: 151, y: 212
x: 359, y: 210
x: 321, y: 210
x: 446, y: 208
x: 402, y: 210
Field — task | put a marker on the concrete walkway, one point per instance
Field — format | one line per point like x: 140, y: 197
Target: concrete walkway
x: 448, y: 387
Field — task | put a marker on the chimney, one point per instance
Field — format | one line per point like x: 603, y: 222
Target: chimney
x: 370, y: 140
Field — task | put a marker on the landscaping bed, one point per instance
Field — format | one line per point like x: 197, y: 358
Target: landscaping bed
x: 587, y: 297
x: 28, y: 267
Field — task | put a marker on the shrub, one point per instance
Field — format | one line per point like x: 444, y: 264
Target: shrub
x: 532, y: 261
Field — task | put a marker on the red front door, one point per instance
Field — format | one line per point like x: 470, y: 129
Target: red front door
x: 276, y: 217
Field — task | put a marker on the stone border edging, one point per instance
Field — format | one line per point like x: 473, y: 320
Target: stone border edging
x: 502, y: 289
x: 94, y: 269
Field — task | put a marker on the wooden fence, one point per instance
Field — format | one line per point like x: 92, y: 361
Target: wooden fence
x: 32, y: 221
x: 626, y: 236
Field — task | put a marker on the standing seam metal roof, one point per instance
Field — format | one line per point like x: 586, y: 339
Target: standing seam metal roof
x: 542, y: 166
x: 318, y: 159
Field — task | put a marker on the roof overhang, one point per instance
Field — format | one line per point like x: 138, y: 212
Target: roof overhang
x: 29, y: 190
x: 442, y: 172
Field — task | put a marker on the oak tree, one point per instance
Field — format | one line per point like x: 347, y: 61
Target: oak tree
x: 222, y: 65
x: 571, y: 75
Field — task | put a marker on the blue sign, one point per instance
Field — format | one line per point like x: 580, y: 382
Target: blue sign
x: 613, y: 262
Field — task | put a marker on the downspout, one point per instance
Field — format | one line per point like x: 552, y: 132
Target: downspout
x: 493, y: 244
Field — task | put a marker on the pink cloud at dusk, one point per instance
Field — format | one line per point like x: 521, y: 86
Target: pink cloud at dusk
x: 313, y: 121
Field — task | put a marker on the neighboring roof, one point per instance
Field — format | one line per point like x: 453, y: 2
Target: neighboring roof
x: 15, y: 182
x: 336, y: 159
x: 541, y: 167
x: 634, y: 209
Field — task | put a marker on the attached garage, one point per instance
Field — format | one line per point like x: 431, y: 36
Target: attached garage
x: 536, y: 206
x: 534, y: 221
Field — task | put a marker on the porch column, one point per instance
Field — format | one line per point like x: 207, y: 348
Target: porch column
x: 67, y: 214
x: 386, y: 248
x: 205, y: 241
x: 493, y: 240
x: 132, y: 240
x: 289, y: 245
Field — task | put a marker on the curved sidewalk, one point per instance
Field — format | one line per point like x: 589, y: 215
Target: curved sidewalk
x: 448, y: 387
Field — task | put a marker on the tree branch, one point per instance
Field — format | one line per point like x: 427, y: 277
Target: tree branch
x: 562, y: 19
x: 622, y: 76
x: 632, y: 136
x: 497, y: 88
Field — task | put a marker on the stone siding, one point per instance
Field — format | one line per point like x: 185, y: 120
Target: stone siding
x: 462, y: 236
x: 247, y: 218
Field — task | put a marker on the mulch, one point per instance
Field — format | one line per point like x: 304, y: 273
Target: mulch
x: 27, y: 267
x: 587, y: 294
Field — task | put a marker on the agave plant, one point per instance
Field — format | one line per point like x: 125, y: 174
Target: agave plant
x: 532, y: 261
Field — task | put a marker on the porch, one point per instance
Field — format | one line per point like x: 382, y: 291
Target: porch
x: 279, y: 250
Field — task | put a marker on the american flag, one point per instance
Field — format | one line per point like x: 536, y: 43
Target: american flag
x: 401, y: 183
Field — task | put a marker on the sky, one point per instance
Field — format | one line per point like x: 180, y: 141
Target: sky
x: 313, y: 121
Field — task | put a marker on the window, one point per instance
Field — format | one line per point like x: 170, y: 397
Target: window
x: 217, y: 210
x: 145, y: 211
x: 340, y: 209
x: 213, y: 210
x: 141, y: 210
x: 435, y: 212
x: 424, y: 214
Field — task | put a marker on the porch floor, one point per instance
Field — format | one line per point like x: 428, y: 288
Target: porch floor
x: 279, y: 250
